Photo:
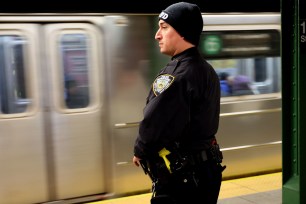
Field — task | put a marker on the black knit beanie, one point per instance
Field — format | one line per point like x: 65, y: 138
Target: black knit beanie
x: 186, y: 19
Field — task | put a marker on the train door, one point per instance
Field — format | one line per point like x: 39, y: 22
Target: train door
x: 22, y: 147
x: 51, y: 130
x: 73, y: 65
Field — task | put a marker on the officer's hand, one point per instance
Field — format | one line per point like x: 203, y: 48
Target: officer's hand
x: 136, y: 161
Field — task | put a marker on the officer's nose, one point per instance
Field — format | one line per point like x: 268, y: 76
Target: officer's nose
x: 157, y: 35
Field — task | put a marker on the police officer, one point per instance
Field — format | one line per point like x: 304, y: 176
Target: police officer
x: 176, y: 144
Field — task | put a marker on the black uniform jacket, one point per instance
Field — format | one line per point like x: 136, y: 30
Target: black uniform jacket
x: 183, y: 106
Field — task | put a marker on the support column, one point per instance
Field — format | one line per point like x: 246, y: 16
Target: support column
x: 294, y: 100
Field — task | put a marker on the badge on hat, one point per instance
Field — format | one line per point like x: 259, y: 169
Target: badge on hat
x: 163, y: 15
x: 161, y: 83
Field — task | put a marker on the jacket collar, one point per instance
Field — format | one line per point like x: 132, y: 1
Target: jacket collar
x: 186, y: 53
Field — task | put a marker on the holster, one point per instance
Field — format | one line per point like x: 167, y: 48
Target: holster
x: 159, y: 172
x: 215, y: 153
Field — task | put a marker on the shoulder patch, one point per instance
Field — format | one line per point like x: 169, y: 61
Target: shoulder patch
x: 161, y: 83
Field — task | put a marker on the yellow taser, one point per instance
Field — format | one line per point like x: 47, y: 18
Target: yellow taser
x: 163, y: 153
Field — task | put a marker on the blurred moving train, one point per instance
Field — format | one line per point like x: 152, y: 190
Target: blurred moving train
x: 73, y: 88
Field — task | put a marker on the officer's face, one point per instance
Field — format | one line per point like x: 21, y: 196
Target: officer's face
x: 167, y: 38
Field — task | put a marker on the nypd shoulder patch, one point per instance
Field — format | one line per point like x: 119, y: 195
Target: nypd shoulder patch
x: 161, y: 83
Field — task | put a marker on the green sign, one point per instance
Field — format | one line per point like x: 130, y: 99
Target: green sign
x: 212, y: 44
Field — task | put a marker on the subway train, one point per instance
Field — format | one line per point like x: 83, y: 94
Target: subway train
x: 73, y: 88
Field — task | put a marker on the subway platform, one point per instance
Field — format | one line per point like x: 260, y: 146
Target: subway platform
x: 262, y: 189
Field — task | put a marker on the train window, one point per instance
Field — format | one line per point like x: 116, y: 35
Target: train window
x: 74, y: 50
x: 248, y: 62
x: 13, y: 93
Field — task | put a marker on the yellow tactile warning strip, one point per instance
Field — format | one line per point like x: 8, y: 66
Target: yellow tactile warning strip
x: 250, y: 185
x: 229, y: 189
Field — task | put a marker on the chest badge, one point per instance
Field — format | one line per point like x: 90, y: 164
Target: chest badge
x: 161, y: 83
